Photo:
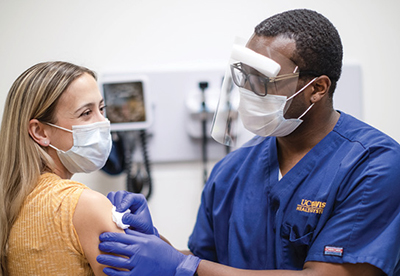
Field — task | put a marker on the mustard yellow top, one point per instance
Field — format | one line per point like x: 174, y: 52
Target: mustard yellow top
x: 43, y: 240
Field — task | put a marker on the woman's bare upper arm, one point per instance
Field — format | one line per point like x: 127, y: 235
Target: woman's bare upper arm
x: 91, y: 218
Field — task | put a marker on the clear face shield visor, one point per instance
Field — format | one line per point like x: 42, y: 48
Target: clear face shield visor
x: 272, y: 74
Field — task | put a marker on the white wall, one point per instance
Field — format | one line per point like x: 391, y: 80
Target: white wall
x: 124, y: 34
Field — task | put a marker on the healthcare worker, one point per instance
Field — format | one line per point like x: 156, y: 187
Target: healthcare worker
x: 315, y: 193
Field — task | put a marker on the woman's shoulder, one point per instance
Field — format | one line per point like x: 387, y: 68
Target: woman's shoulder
x: 53, y: 179
x: 50, y: 186
x: 94, y: 202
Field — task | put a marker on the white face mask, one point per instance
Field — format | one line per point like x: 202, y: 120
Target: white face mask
x: 92, y: 146
x: 263, y: 116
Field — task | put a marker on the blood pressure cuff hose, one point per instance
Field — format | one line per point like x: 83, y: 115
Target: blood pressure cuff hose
x: 116, y: 162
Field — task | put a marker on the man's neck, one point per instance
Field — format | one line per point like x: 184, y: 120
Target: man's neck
x: 292, y: 148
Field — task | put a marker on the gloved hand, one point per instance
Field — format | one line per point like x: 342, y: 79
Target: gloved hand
x: 139, y: 219
x: 147, y: 255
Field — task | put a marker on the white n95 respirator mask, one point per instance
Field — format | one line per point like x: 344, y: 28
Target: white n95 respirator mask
x: 91, y: 147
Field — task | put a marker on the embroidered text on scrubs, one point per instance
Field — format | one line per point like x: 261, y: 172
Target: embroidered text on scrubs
x: 309, y: 206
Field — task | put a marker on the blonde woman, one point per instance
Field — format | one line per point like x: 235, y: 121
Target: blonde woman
x: 53, y: 126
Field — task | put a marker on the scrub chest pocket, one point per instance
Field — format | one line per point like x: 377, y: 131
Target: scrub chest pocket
x: 295, y: 245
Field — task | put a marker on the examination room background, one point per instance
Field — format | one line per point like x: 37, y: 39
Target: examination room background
x: 125, y: 35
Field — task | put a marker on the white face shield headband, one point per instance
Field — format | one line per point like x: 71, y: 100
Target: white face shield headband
x: 251, y: 73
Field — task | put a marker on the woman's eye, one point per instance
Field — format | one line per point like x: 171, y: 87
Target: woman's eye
x: 102, y: 109
x: 86, y: 113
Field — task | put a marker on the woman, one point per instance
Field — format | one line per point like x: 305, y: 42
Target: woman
x: 53, y: 126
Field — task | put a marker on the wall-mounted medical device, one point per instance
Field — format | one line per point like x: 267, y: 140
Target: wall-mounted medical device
x: 201, y: 102
x: 128, y: 102
x: 129, y: 109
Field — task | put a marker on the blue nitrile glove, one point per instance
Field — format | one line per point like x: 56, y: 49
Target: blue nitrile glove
x: 139, y: 219
x: 147, y: 255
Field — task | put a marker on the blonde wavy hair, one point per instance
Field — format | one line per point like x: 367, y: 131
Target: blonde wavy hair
x: 33, y: 95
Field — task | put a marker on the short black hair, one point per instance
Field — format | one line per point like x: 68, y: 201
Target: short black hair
x: 318, y: 44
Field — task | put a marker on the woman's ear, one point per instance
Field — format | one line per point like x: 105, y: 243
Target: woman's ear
x: 38, y: 133
x: 321, y: 88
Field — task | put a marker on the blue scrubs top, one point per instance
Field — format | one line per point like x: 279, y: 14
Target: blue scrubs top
x: 339, y: 204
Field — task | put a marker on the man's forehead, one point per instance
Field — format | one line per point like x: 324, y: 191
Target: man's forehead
x: 279, y: 48
x: 266, y: 45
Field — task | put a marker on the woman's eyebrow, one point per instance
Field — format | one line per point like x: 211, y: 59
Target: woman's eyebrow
x: 88, y: 105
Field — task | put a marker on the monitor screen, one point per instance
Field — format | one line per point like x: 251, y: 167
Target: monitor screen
x: 127, y: 103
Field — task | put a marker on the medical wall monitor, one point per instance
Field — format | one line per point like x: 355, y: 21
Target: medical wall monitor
x: 127, y: 102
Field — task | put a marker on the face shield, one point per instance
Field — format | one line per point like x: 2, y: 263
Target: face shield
x: 272, y: 74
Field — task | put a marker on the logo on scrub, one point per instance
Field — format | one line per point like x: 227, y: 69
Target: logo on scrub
x: 309, y: 206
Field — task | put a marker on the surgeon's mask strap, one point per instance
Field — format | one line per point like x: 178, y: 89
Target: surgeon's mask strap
x: 62, y: 128
x: 56, y: 149
x: 304, y: 87
x: 301, y: 116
